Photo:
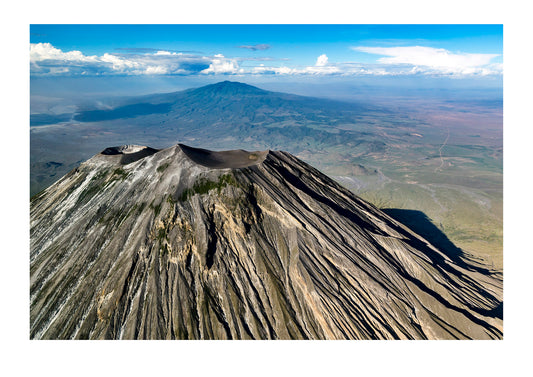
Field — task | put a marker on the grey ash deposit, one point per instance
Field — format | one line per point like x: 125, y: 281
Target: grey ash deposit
x: 186, y: 243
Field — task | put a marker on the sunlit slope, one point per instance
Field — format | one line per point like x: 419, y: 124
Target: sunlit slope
x: 185, y: 243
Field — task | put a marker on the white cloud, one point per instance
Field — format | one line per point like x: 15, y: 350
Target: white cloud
x: 120, y: 64
x: 46, y: 59
x: 156, y: 70
x: 321, y: 67
x: 261, y: 69
x: 220, y: 64
x: 434, y: 60
x: 45, y: 51
x: 322, y: 61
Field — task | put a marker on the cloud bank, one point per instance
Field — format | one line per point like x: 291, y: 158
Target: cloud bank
x: 435, y: 60
x: 47, y: 60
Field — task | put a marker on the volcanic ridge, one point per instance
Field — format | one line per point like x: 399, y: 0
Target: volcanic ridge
x: 186, y: 243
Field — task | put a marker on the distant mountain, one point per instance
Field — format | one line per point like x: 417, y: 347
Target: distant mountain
x: 225, y: 101
x: 224, y: 115
x: 229, y: 88
x: 186, y: 243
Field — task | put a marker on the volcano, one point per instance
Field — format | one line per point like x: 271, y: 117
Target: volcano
x: 187, y: 243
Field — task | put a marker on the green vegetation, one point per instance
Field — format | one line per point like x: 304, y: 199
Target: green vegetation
x: 91, y: 191
x: 163, y: 167
x: 119, y: 217
x: 100, y: 175
x: 162, y: 237
x: 139, y: 207
x: 161, y: 234
x: 119, y: 173
x: 203, y: 186
x: 123, y: 215
x: 156, y: 208
x: 99, y: 181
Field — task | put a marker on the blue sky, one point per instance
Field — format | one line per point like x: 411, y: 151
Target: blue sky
x: 455, y: 51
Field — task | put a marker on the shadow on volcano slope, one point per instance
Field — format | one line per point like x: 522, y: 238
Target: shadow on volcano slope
x: 418, y: 222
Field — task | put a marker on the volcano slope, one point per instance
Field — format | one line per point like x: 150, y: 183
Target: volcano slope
x: 185, y: 243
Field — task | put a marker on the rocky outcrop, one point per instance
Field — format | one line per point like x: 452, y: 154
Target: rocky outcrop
x: 184, y: 243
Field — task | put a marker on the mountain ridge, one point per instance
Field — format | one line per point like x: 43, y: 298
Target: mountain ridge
x: 224, y: 91
x: 164, y: 247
